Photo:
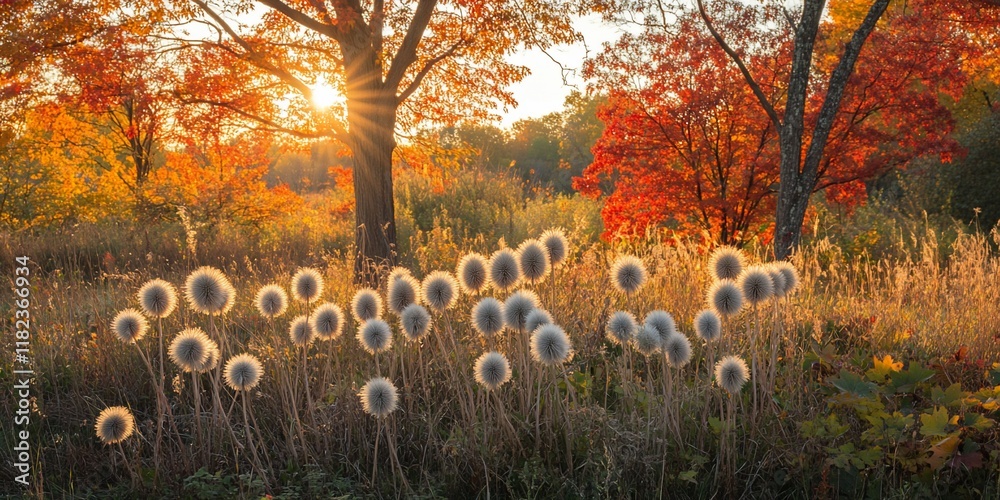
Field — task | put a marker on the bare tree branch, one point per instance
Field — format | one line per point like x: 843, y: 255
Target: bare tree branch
x: 407, y: 53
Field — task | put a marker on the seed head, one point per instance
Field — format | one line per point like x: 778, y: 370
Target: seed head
x: 114, y: 424
x: 731, y: 374
x: 327, y: 321
x: 504, y: 270
x: 378, y: 397
x: 556, y: 245
x: 271, y: 301
x: 301, y: 332
x: 647, y: 340
x: 662, y: 323
x: 492, y: 370
x: 208, y: 291
x: 533, y: 259
x: 628, y: 274
x: 402, y: 292
x: 130, y: 326
x: 367, y: 304
x: 727, y: 263
x: 708, y: 325
x: 550, y: 345
x: 536, y: 318
x: 415, y: 322
x: 622, y: 327
x: 190, y: 349
x: 472, y: 273
x: 375, y: 336
x: 307, y: 285
x: 243, y: 372
x: 517, y: 307
x: 158, y: 298
x: 725, y: 297
x: 439, y: 290
x: 487, y: 317
x: 756, y: 285
x: 678, y: 350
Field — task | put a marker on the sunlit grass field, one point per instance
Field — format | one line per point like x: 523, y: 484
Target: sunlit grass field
x: 884, y: 381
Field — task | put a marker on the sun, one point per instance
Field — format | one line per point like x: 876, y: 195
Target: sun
x: 325, y: 95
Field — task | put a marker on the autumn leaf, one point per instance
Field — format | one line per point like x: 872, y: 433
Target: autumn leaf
x: 883, y: 367
x: 934, y: 423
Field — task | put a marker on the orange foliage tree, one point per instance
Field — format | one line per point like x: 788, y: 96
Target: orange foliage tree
x: 397, y: 64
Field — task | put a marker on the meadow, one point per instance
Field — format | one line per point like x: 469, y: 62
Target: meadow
x: 876, y: 376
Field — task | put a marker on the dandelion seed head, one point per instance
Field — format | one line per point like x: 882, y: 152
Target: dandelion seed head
x: 517, y: 307
x: 492, y: 370
x: 756, y: 285
x: 190, y: 349
x: 327, y: 321
x: 504, y: 270
x: 708, y: 325
x: 472, y: 274
x: 678, y: 350
x: 550, y: 345
x: 158, y: 298
x: 647, y: 340
x: 114, y: 424
x: 208, y: 291
x: 533, y: 260
x: 271, y: 301
x: 415, y: 321
x: 375, y: 336
x: 243, y: 372
x: 301, y: 332
x: 487, y: 316
x: 439, y: 290
x: 402, y: 292
x: 663, y: 323
x: 536, y: 318
x: 725, y: 297
x: 378, y: 397
x: 307, y: 285
x: 731, y: 373
x: 556, y: 244
x: 628, y: 274
x: 727, y: 263
x: 130, y: 326
x: 366, y: 305
x: 622, y: 327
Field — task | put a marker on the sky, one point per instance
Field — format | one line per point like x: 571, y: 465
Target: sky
x: 542, y: 91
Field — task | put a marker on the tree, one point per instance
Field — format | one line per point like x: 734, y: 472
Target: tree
x: 396, y: 65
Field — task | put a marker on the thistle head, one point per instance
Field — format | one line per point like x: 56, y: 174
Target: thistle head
x: 556, y: 244
x: 708, y: 325
x: 533, y: 259
x: 487, y: 316
x: 439, y: 290
x: 378, y: 397
x: 777, y: 279
x: 301, y: 332
x: 622, y: 327
x: 756, y: 285
x: 271, y: 301
x: 243, y: 372
x: 791, y: 276
x: 402, y: 291
x: 678, y: 350
x: 190, y: 349
x: 628, y: 274
x: 731, y: 373
x: 366, y: 305
x: 662, y: 323
x: 158, y: 298
x: 472, y: 273
x: 492, y: 370
x: 725, y: 297
x: 375, y: 336
x: 727, y: 263
x: 208, y: 291
x: 517, y: 307
x: 647, y: 340
x: 536, y: 318
x: 504, y: 270
x: 550, y: 345
x: 307, y: 285
x: 114, y: 424
x: 130, y: 326
x: 327, y: 321
x: 415, y: 322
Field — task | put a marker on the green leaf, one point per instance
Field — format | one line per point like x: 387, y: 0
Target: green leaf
x: 715, y: 424
x: 951, y: 397
x: 690, y: 476
x: 906, y: 381
x: 853, y: 383
x: 978, y: 422
x: 934, y: 424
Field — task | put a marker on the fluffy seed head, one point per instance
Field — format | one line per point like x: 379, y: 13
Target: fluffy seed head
x: 628, y: 274
x: 731, y: 374
x: 663, y: 323
x: 190, y: 349
x: 725, y: 297
x: 366, y: 305
x: 397, y: 273
x: 243, y: 372
x: 378, y: 397
x: 271, y: 301
x: 439, y: 290
x: 678, y: 350
x: 791, y: 276
x: 208, y: 291
x: 375, y: 336
x: 472, y: 273
x: 536, y: 318
x: 533, y: 259
x: 301, y: 332
x: 158, y: 298
x: 622, y: 327
x: 212, y: 360
x: 487, y: 316
x: 130, y: 326
x: 517, y: 307
x: 492, y: 370
x: 504, y: 270
x: 327, y: 321
x: 647, y: 340
x: 708, y: 325
x: 727, y: 263
x: 756, y: 285
x: 114, y: 424
x: 307, y: 285
x: 556, y: 245
x: 415, y: 321
x: 777, y: 279
x: 402, y: 292
x: 550, y: 345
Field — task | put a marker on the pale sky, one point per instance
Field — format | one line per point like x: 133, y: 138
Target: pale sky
x: 542, y: 91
